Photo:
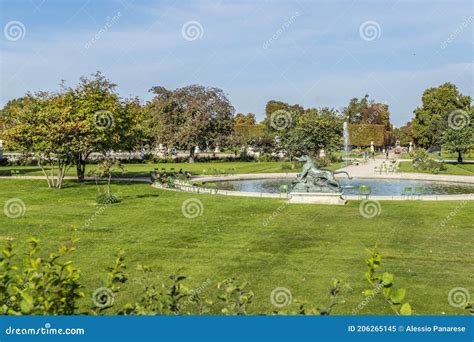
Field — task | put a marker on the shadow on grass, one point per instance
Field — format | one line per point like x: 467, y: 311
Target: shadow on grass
x: 141, y: 196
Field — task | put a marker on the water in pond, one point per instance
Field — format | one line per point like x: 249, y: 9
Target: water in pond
x: 380, y: 187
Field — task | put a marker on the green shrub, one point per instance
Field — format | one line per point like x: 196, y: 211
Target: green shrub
x: 107, y: 198
x: 422, y: 161
x: 45, y: 286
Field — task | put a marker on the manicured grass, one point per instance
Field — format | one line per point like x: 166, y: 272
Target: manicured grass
x: 451, y: 169
x: 445, y: 155
x: 301, y: 248
x: 143, y: 170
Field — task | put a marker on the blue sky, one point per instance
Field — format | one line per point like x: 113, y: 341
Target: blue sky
x: 315, y: 53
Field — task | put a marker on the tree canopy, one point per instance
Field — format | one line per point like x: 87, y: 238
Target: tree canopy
x: 431, y: 119
x: 70, y: 124
x: 190, y: 116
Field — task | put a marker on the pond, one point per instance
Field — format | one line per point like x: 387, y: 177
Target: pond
x: 380, y: 187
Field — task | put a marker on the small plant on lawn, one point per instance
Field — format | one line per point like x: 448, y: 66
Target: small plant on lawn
x: 236, y: 297
x: 334, y: 298
x: 105, y: 170
x: 158, y: 299
x: 116, y: 276
x: 383, y: 285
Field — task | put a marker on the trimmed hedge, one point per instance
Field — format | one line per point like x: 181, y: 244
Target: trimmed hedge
x: 362, y: 135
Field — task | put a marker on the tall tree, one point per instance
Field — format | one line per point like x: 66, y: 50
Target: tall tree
x: 315, y: 129
x: 404, y: 134
x: 242, y: 119
x: 431, y: 119
x: 459, y: 136
x: 281, y: 116
x: 190, y: 116
x: 369, y: 112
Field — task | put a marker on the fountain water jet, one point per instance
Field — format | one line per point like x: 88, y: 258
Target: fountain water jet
x: 345, y: 136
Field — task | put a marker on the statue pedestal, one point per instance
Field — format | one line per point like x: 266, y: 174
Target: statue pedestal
x: 316, y: 198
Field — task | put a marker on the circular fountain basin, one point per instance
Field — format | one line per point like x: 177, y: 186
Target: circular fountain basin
x: 379, y: 187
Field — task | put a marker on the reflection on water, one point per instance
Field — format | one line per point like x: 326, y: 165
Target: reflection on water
x: 379, y: 187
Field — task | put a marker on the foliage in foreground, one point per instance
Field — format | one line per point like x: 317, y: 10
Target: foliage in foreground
x: 52, y: 286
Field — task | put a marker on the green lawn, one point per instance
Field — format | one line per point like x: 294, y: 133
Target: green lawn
x: 302, y: 248
x: 451, y: 169
x: 445, y: 155
x: 143, y: 170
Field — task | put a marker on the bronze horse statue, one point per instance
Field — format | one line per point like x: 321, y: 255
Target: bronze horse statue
x: 314, y: 179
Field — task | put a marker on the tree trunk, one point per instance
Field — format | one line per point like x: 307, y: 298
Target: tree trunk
x: 44, y: 172
x: 80, y: 167
x: 191, y: 154
x: 460, y: 157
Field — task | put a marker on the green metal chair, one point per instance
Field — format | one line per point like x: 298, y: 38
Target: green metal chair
x: 211, y: 186
x: 407, y: 192
x: 364, y: 190
x: 419, y: 190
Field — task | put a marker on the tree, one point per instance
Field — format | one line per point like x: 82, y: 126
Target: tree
x: 281, y: 116
x: 242, y: 119
x: 191, y: 116
x: 315, y: 129
x: 365, y: 112
x: 431, y: 119
x: 64, y: 128
x: 404, y: 134
x: 459, y: 136
x: 105, y: 122
x: 36, y: 126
